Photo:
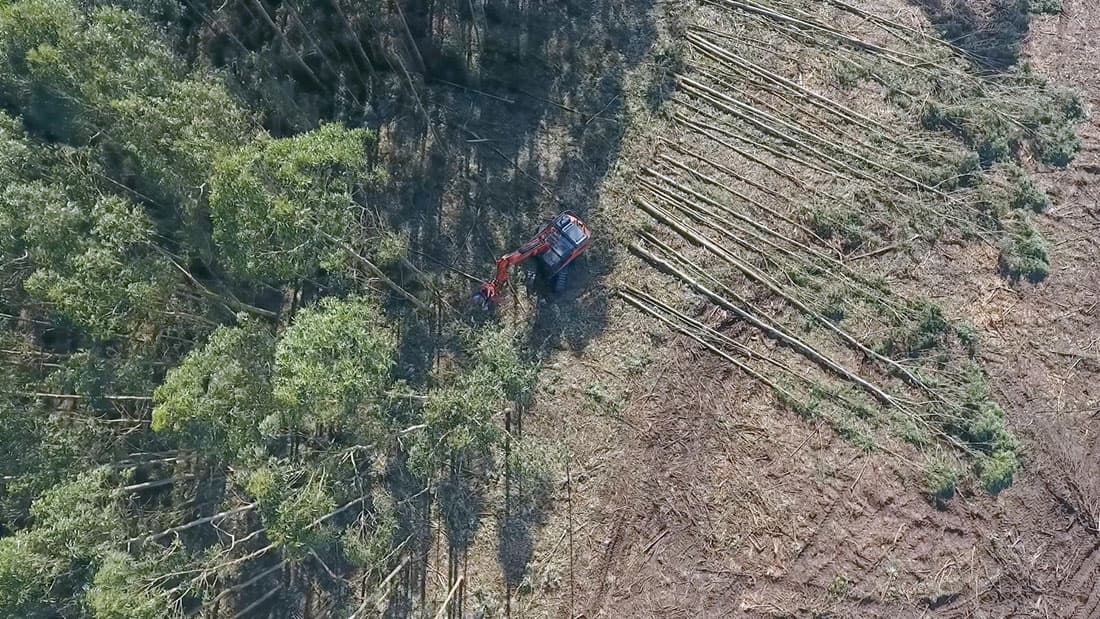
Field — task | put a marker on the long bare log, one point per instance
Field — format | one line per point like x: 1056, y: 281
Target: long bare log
x: 381, y: 588
x: 825, y: 262
x: 447, y: 600
x: 74, y: 396
x: 766, y: 123
x: 818, y: 100
x: 149, y: 485
x: 771, y: 329
x: 766, y: 281
x: 194, y: 523
x: 266, y: 17
x: 710, y: 180
x: 752, y: 7
x: 628, y: 294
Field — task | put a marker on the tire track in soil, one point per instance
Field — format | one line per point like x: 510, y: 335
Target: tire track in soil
x: 1085, y: 580
x: 611, y: 551
x: 1066, y: 49
x: 656, y: 507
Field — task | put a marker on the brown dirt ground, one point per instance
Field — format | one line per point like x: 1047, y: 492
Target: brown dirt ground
x: 706, y: 501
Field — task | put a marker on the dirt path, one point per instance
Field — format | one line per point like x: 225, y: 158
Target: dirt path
x: 722, y: 505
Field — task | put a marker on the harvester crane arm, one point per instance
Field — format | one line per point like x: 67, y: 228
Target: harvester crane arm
x: 559, y: 243
x: 529, y: 250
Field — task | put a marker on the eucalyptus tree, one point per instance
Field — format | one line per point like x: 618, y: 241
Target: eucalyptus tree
x: 277, y: 204
x: 103, y: 79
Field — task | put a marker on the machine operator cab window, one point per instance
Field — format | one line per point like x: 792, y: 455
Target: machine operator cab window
x: 564, y: 244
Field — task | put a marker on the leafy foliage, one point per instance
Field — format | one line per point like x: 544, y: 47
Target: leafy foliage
x: 1045, y: 7
x: 1041, y: 118
x: 290, y: 508
x: 121, y: 588
x: 336, y: 357
x: 76, y: 75
x: 141, y: 207
x: 216, y: 399
x: 997, y: 470
x: 1027, y: 195
x: 369, y: 542
x: 1024, y: 253
x: 459, y: 414
x: 275, y: 204
x: 942, y: 479
x: 43, y: 565
x: 95, y: 265
x: 927, y: 332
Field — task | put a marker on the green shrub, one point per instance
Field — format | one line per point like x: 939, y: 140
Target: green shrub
x: 1069, y: 103
x: 914, y: 434
x: 1047, y: 120
x: 835, y: 223
x: 390, y: 248
x: 996, y: 470
x: 977, y: 124
x: 850, y: 74
x: 985, y: 428
x: 840, y: 586
x: 368, y: 545
x: 834, y: 306
x: 1057, y: 144
x: 807, y: 409
x: 983, y: 424
x: 947, y: 171
x: 995, y: 147
x: 1027, y: 195
x: 942, y: 479
x: 1024, y: 254
x: 927, y: 333
x: 1045, y: 7
x: 968, y: 337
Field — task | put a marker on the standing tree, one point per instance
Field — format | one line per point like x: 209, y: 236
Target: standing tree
x: 276, y: 205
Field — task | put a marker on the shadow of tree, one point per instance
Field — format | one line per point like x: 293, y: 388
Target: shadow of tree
x: 526, y: 123
x: 523, y: 513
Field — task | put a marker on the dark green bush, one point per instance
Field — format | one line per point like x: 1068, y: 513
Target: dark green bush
x: 968, y: 337
x: 1057, y: 144
x: 942, y: 479
x: 1027, y: 195
x: 1045, y: 118
x: 996, y: 471
x: 1069, y: 103
x: 926, y: 333
x: 844, y: 225
x: 1045, y: 7
x: 1024, y: 254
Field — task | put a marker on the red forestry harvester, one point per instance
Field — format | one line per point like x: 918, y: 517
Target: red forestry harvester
x: 556, y: 246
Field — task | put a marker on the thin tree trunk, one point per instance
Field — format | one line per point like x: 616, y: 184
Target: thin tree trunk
x: 286, y: 43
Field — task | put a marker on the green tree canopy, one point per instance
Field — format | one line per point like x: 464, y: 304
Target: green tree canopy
x: 275, y: 204
x: 103, y: 78
x: 335, y: 358
x: 217, y: 398
x: 42, y: 567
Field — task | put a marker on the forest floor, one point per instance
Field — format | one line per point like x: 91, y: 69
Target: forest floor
x: 686, y: 492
